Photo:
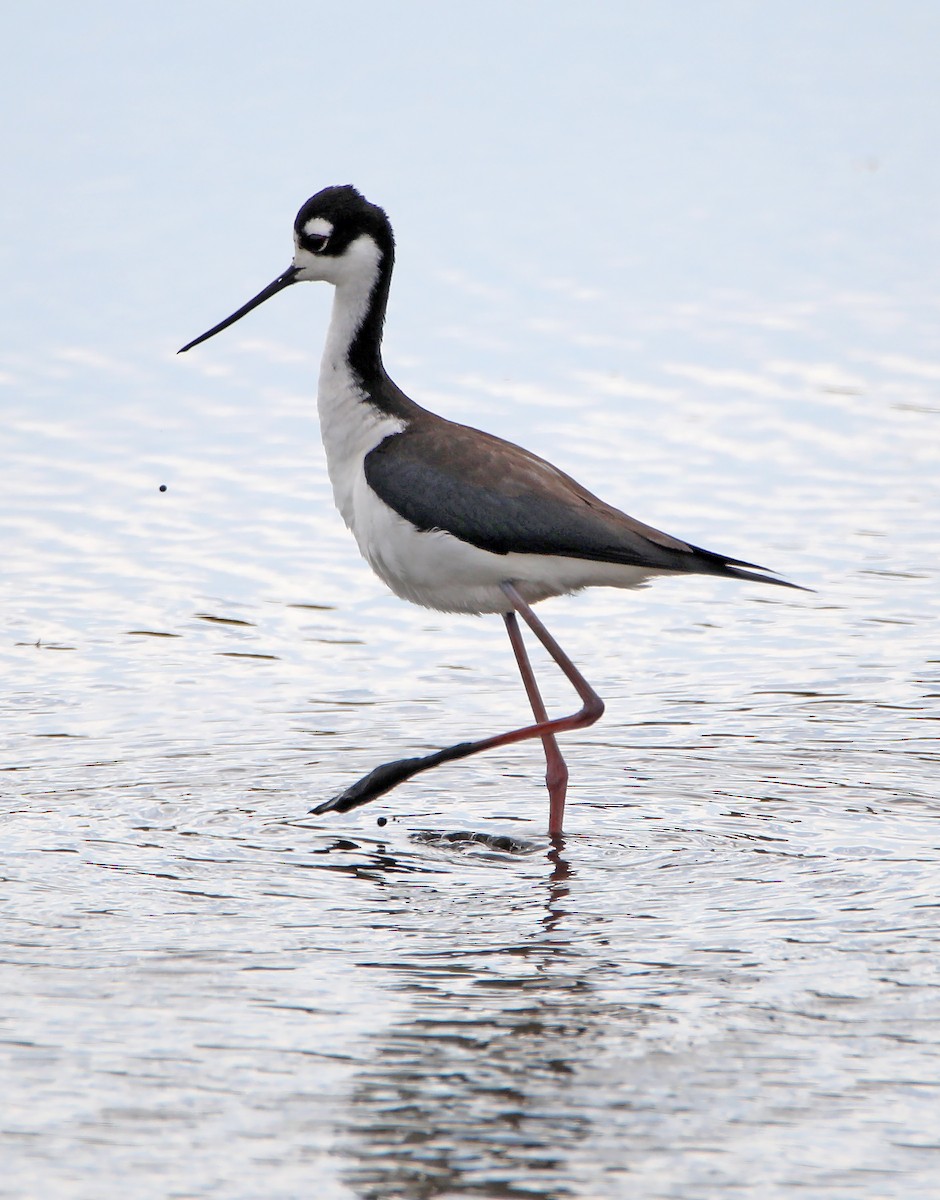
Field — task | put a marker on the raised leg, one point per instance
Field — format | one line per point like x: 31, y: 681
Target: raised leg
x: 556, y: 769
x: 389, y: 775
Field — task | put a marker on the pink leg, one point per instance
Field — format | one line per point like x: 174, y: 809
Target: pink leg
x: 556, y: 773
x: 389, y: 775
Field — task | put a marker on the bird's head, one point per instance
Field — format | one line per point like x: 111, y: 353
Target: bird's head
x: 339, y: 238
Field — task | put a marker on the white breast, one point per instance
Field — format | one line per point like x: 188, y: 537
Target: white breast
x: 350, y: 428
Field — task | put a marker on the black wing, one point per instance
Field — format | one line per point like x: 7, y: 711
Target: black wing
x: 499, y: 497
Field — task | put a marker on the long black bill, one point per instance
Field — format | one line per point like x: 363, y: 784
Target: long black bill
x: 282, y: 281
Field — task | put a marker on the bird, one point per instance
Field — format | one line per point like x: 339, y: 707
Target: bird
x: 450, y: 517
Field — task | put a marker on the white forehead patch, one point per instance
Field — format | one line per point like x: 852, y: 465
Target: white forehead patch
x: 318, y: 227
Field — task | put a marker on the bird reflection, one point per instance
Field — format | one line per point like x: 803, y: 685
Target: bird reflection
x: 558, y: 887
x: 468, y: 1093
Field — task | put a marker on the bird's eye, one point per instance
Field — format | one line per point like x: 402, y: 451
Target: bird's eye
x: 316, y: 234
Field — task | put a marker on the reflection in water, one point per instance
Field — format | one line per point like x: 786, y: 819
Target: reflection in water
x: 557, y: 884
x: 465, y: 1095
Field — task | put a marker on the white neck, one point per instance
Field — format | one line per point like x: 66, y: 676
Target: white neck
x: 349, y: 425
x: 357, y: 275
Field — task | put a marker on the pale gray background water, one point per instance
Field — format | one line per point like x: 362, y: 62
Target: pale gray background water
x: 689, y: 252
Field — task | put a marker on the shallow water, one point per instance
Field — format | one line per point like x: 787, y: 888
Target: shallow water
x: 724, y: 981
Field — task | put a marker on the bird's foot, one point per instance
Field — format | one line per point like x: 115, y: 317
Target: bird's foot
x: 387, y: 776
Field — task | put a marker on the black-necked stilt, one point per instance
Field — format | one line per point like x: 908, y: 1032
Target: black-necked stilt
x: 450, y: 517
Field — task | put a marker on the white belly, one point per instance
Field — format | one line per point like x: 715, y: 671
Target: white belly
x: 437, y: 570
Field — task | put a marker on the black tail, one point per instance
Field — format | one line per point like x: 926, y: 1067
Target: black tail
x: 706, y: 562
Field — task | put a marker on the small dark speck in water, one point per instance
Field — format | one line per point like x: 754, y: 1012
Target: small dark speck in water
x: 382, y: 821
x: 162, y: 487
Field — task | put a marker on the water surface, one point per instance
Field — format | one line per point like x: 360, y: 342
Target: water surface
x: 724, y: 981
